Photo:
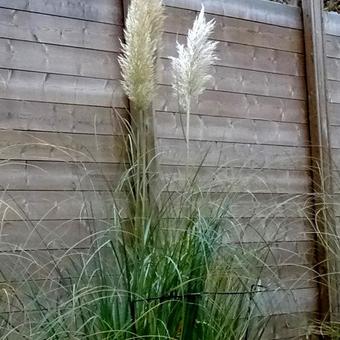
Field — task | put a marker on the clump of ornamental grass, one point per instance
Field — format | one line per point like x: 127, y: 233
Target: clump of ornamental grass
x: 191, y: 68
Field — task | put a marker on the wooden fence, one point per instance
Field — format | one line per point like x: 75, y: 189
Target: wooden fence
x: 61, y: 143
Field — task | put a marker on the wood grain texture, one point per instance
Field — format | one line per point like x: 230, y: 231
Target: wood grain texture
x: 45, y: 87
x: 239, y: 31
x: 39, y: 116
x: 218, y: 129
x: 22, y: 25
x: 109, y: 11
x: 19, y: 145
x: 29, y: 56
x: 253, y: 10
x: 60, y: 205
x: 332, y: 43
x: 246, y: 81
x: 211, y: 179
x: 216, y: 103
x: 332, y: 23
x: 173, y: 152
x: 244, y: 56
x: 48, y: 175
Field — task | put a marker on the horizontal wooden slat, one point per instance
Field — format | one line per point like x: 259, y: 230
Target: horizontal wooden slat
x: 334, y: 114
x: 235, y: 180
x: 60, y: 176
x: 253, y: 10
x: 173, y: 152
x: 240, y: 31
x: 289, y: 326
x: 16, y: 235
x: 38, y: 57
x: 18, y: 145
x: 109, y: 11
x: 246, y: 81
x: 332, y: 23
x: 269, y: 229
x: 335, y: 136
x: 239, y: 205
x: 333, y: 91
x: 245, y: 57
x: 332, y: 46
x: 61, y: 31
x: 333, y: 69
x: 46, y: 87
x: 59, y: 205
x: 27, y: 115
x: 290, y: 301
x: 170, y: 125
x: 216, y: 103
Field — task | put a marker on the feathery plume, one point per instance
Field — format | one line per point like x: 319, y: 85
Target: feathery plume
x: 191, y: 68
x: 142, y: 39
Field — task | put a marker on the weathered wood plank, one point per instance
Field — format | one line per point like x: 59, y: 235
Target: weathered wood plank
x: 108, y: 11
x: 173, y: 152
x: 24, y: 85
x: 61, y: 31
x: 246, y: 81
x: 216, y: 103
x: 253, y: 10
x: 333, y: 69
x: 39, y: 235
x: 239, y: 31
x: 19, y: 145
x: 241, y: 205
x: 334, y: 132
x: 331, y: 23
x: 60, y: 205
x: 27, y: 115
x: 246, y: 57
x: 208, y: 128
x: 332, y: 43
x: 211, y: 179
x: 18, y: 175
x: 334, y: 114
x: 289, y: 326
x: 29, y: 56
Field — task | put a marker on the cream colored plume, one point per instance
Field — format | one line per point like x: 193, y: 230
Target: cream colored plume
x: 142, y: 34
x: 191, y: 68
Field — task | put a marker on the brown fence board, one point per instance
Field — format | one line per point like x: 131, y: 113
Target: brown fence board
x: 246, y: 57
x: 173, y: 152
x: 39, y: 116
x: 29, y: 56
x: 59, y: 205
x: 216, y: 103
x: 240, y: 31
x: 61, y: 31
x: 287, y: 16
x: 207, y: 128
x: 236, y: 180
x: 109, y: 11
x: 60, y: 176
x: 24, y: 85
x: 246, y: 81
x: 60, y: 147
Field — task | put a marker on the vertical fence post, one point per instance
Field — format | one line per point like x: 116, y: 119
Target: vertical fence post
x: 323, y: 213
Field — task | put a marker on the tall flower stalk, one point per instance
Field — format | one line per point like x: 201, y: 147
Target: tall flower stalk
x: 143, y: 33
x: 191, y: 68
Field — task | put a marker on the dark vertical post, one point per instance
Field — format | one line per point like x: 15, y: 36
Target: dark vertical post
x: 323, y: 213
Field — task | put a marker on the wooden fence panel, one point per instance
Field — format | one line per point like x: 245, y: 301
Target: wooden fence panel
x: 61, y: 140
x: 249, y: 130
